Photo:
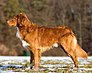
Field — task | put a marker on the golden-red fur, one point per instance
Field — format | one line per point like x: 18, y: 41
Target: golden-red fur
x: 43, y: 38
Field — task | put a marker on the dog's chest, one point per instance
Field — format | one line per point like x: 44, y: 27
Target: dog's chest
x: 24, y: 43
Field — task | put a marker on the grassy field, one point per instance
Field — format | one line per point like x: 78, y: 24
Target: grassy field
x: 48, y: 65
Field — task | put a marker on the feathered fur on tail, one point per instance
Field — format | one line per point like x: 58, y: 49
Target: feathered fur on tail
x: 80, y: 52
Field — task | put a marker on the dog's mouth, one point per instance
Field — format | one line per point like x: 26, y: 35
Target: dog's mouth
x: 12, y: 22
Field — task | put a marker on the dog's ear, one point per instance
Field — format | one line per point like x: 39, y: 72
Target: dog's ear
x: 22, y: 18
x: 23, y: 14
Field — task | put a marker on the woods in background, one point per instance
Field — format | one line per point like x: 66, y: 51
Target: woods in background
x: 77, y: 14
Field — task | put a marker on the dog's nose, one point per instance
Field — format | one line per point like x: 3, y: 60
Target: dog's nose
x: 8, y: 22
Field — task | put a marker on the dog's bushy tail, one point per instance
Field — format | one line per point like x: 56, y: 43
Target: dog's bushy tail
x: 80, y: 52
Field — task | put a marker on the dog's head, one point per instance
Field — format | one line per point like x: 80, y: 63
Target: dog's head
x: 18, y: 20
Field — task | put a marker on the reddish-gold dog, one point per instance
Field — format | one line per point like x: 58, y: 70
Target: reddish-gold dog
x: 41, y: 38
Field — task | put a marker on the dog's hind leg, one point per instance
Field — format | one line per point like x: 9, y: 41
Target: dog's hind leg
x: 68, y: 43
x: 73, y: 55
x: 74, y: 58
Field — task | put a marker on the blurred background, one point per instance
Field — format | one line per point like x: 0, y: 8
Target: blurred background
x: 77, y: 14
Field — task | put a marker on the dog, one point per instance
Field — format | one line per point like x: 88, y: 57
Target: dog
x: 42, y: 38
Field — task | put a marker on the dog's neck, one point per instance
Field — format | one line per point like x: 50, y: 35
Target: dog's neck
x: 25, y: 28
x: 24, y: 43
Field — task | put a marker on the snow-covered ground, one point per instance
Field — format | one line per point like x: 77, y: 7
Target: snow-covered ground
x: 20, y: 64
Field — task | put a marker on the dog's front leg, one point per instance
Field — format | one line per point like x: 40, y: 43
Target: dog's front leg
x: 31, y: 59
x: 36, y: 58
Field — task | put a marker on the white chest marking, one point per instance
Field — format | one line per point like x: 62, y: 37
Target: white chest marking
x: 55, y: 45
x: 24, y: 43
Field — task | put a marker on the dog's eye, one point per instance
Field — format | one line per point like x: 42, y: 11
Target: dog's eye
x: 15, y: 18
